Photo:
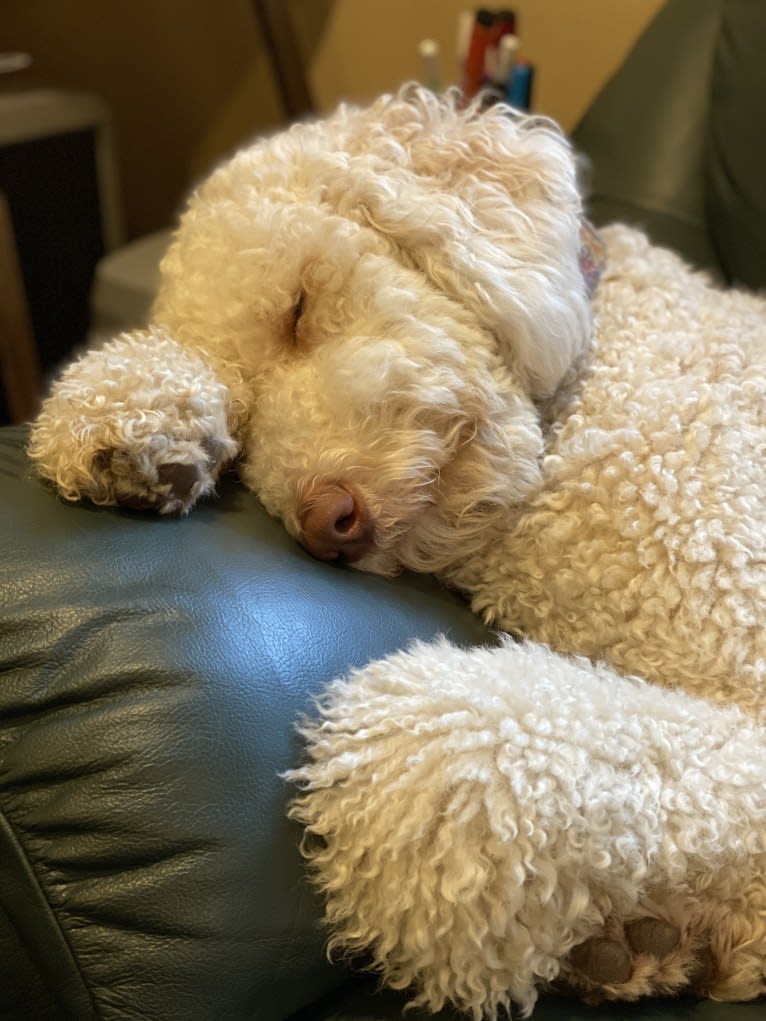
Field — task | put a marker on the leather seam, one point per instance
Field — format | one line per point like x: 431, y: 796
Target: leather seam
x: 24, y: 878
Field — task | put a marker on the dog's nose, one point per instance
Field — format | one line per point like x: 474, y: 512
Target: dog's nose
x: 336, y: 525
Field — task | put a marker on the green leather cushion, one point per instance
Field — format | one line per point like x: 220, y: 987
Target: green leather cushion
x: 151, y: 671
x: 364, y: 1002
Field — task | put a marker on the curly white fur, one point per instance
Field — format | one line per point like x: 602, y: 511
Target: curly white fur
x: 390, y: 301
x: 108, y: 427
x: 478, y: 813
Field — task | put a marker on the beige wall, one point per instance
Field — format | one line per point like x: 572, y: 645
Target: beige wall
x: 189, y: 80
x: 171, y: 71
x: 370, y: 47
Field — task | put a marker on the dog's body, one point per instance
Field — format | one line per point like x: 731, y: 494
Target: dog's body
x: 645, y: 544
x: 386, y: 315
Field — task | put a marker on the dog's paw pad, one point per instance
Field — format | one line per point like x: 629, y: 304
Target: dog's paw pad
x: 216, y: 451
x: 182, y: 478
x: 140, y: 503
x: 602, y: 961
x: 652, y: 936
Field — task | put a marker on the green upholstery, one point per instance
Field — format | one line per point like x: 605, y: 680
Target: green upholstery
x: 151, y: 670
x: 675, y: 139
x: 361, y: 1002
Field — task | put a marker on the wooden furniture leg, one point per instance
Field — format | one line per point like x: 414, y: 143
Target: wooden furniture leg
x: 19, y: 363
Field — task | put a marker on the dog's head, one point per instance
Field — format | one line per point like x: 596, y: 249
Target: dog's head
x: 388, y: 291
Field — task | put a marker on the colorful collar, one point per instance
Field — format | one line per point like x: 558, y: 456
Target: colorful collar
x: 592, y: 255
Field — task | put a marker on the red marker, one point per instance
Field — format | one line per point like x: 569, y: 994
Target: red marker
x: 481, y: 39
x: 504, y: 24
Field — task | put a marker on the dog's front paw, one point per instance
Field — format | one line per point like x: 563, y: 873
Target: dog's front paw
x: 141, y: 422
x: 168, y: 474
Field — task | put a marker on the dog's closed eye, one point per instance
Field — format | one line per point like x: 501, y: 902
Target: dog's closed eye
x: 298, y: 312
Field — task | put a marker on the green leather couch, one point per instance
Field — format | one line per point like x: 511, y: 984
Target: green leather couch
x: 151, y: 670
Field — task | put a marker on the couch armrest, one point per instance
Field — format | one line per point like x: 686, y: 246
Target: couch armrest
x: 152, y: 670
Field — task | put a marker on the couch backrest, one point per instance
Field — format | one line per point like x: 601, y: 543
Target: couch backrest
x: 676, y: 138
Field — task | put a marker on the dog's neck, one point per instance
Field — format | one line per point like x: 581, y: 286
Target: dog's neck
x: 457, y: 537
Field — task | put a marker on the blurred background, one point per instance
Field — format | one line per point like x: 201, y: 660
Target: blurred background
x: 187, y: 81
x: 126, y: 104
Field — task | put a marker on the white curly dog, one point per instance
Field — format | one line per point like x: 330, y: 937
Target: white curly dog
x: 386, y: 316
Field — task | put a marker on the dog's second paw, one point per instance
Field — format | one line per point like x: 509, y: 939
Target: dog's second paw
x: 141, y: 422
x: 646, y: 956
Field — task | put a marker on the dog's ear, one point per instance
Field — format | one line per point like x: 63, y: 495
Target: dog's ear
x: 486, y: 206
